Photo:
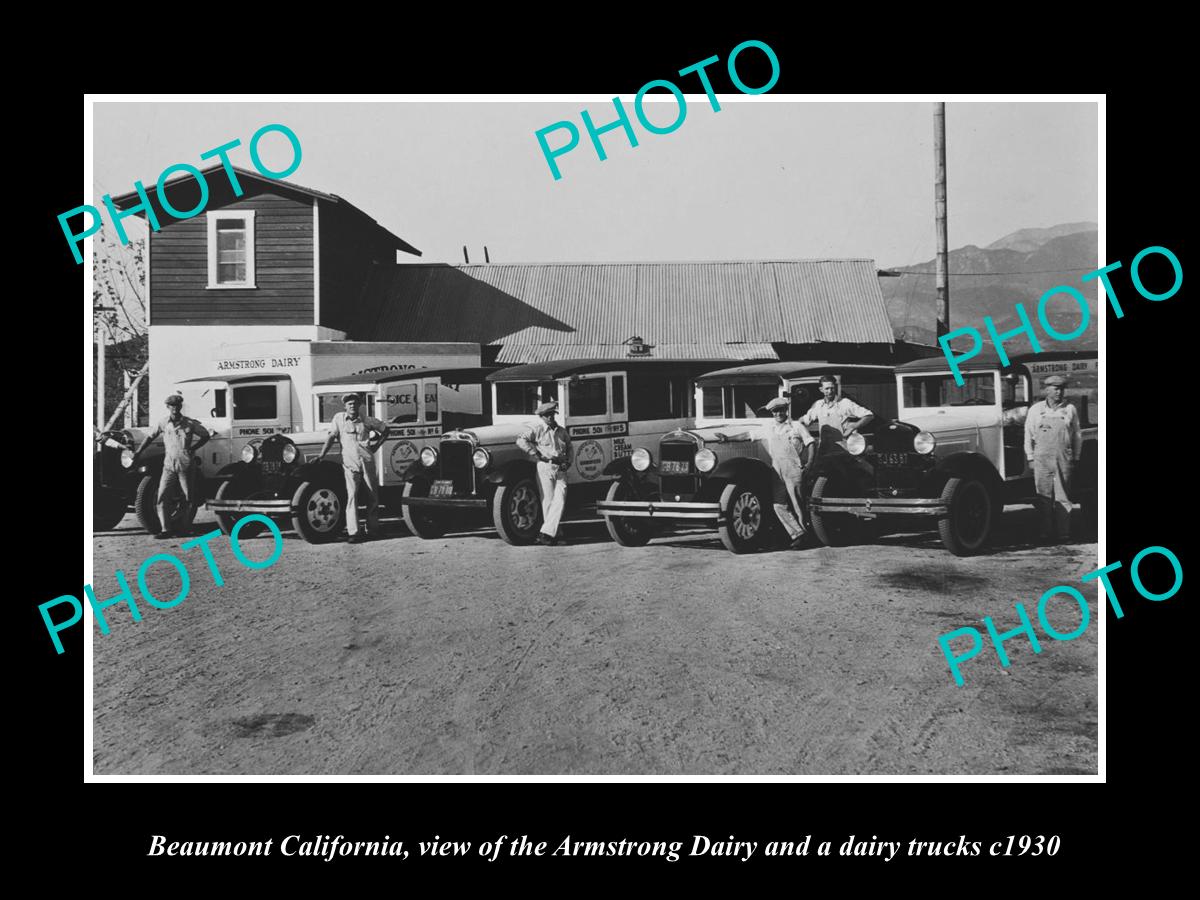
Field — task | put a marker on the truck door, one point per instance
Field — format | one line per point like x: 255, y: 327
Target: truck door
x: 593, y: 423
x: 402, y: 410
x: 259, y: 410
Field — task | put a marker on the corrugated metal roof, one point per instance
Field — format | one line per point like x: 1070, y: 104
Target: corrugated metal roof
x: 531, y: 353
x: 697, y: 309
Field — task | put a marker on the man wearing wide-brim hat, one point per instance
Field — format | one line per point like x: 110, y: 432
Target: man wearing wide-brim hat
x: 550, y: 444
x: 360, y: 436
x: 1053, y: 442
x: 784, y: 439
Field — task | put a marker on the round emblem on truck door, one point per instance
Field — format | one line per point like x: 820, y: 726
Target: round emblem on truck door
x: 589, y: 459
x: 404, y: 454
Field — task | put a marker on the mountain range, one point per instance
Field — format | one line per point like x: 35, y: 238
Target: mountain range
x: 989, y: 281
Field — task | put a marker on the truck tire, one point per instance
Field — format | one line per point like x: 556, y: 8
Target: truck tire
x: 631, y: 531
x: 517, y: 511
x: 836, y: 529
x: 967, y: 528
x: 424, y: 523
x: 745, y: 521
x: 320, y: 512
x: 145, y: 504
x: 231, y: 490
x: 108, y: 509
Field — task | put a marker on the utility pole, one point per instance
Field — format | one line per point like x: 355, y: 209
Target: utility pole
x: 100, y: 364
x: 939, y: 208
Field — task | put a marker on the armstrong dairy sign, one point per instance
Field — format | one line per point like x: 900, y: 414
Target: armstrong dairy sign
x: 261, y: 362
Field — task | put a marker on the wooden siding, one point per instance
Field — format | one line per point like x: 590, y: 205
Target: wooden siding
x: 350, y: 248
x: 283, y: 248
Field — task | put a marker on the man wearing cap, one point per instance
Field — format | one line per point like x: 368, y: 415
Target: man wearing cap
x: 841, y: 414
x: 784, y: 439
x: 548, y: 443
x: 353, y: 432
x: 1053, y: 442
x: 177, y: 431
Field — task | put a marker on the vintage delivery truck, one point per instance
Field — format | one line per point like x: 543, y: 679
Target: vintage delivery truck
x: 258, y: 390
x: 282, y: 478
x: 954, y: 454
x: 608, y: 406
x: 691, y: 477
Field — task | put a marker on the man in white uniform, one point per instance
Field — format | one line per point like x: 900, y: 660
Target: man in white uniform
x: 548, y: 443
x: 353, y: 431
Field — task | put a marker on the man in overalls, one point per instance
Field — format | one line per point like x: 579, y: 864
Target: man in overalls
x: 177, y: 431
x: 1053, y: 442
x: 783, y: 439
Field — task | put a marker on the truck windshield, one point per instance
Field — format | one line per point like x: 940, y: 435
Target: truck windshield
x: 521, y: 398
x: 977, y: 389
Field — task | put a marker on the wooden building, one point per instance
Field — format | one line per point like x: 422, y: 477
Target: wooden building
x: 279, y: 262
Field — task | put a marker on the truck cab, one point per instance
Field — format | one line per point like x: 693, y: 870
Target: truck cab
x: 692, y: 477
x: 954, y: 455
x: 606, y: 406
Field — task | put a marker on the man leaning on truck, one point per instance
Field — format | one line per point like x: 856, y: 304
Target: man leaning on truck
x: 550, y: 444
x: 358, y: 462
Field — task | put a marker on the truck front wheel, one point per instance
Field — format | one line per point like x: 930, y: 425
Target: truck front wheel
x: 628, y: 531
x: 967, y: 527
x: 836, y: 529
x: 319, y: 513
x: 422, y: 522
x: 744, y: 522
x: 517, y: 511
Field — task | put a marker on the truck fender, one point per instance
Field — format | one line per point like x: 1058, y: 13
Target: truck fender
x: 741, y: 468
x: 319, y: 471
x: 512, y: 472
x: 970, y: 464
x: 621, y: 467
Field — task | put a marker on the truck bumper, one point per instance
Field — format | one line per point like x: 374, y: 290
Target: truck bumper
x: 263, y: 507
x: 659, y: 509
x: 445, y: 502
x: 871, y: 508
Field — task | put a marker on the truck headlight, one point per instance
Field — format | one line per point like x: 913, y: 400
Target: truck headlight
x: 249, y: 453
x: 126, y: 458
x: 705, y: 460
x: 856, y: 444
x: 428, y: 457
x: 924, y: 442
x: 289, y: 453
x: 481, y: 458
x: 640, y: 459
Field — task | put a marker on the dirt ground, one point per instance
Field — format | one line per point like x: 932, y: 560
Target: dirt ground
x: 467, y: 655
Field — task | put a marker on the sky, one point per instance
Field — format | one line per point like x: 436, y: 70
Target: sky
x: 763, y: 178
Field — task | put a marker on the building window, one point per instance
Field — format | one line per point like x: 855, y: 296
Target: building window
x: 231, y: 249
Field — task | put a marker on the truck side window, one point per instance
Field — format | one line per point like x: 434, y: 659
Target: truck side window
x: 431, y: 401
x: 402, y: 403
x: 711, y: 397
x: 218, y: 407
x: 254, y: 402
x: 589, y: 397
x: 618, y: 394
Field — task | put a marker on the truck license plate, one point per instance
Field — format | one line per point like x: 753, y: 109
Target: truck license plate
x: 893, y: 459
x: 442, y: 488
x: 674, y: 467
x: 270, y: 467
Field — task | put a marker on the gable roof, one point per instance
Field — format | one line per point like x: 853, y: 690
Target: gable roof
x: 124, y: 201
x: 539, y: 311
